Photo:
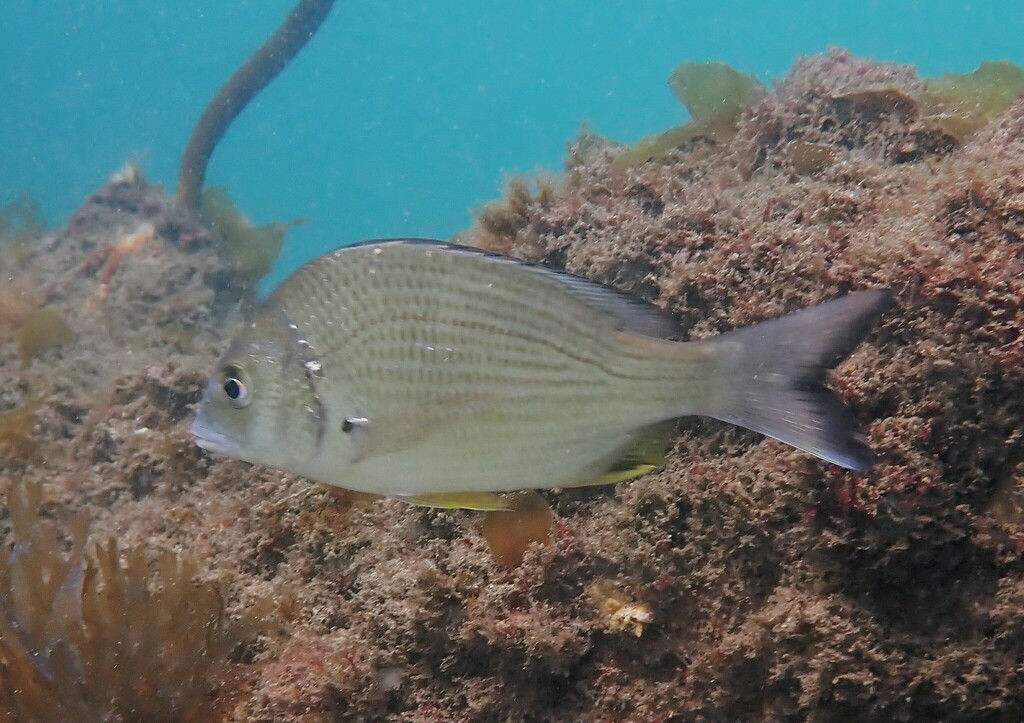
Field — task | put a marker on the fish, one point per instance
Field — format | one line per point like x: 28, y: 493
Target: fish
x: 445, y: 375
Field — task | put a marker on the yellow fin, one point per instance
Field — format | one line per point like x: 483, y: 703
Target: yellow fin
x: 459, y: 501
x: 644, y: 454
x: 614, y: 476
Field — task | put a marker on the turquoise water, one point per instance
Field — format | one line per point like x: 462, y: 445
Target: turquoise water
x: 401, y: 117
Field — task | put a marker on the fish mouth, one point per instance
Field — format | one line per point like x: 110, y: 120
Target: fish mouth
x: 212, y: 440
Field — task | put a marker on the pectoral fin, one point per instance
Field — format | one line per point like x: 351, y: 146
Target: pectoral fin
x: 487, y: 501
x: 392, y: 430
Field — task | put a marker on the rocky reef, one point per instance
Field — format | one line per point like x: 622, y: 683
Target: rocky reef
x: 744, y: 581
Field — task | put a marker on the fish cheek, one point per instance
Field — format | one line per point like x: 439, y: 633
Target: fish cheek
x: 301, y: 419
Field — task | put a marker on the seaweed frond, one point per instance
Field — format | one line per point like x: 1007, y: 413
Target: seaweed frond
x: 17, y: 440
x: 94, y: 635
x: 715, y: 95
x: 21, y: 223
x: 961, y: 103
x: 249, y: 250
x: 41, y: 331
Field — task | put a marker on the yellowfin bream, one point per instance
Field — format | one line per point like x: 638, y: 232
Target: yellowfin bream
x: 441, y: 374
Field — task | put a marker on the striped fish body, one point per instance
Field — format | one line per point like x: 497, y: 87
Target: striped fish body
x: 413, y: 369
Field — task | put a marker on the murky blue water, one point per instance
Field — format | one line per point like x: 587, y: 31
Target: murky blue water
x: 402, y: 116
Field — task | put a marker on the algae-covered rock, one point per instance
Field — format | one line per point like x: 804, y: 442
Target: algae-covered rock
x: 810, y: 593
x: 743, y: 581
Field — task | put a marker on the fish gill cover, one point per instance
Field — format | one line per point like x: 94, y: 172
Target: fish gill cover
x: 744, y: 581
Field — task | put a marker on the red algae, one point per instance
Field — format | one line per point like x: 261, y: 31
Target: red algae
x: 767, y: 585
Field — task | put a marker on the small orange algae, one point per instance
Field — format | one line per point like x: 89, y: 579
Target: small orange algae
x: 43, y: 330
x: 128, y: 243
x: 349, y: 499
x: 510, y: 532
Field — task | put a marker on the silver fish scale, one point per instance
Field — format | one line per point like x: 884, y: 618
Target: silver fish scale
x: 472, y: 371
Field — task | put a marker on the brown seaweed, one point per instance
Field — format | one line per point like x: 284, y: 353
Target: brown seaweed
x: 93, y: 634
x: 17, y: 441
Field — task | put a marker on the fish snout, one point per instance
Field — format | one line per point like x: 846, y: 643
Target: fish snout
x: 211, y: 439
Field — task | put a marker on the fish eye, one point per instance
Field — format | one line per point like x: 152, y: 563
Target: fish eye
x: 234, y: 387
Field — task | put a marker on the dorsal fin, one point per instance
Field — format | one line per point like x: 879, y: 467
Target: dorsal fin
x: 630, y: 313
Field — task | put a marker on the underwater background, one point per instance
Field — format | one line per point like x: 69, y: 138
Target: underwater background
x: 400, y: 117
x: 143, y: 577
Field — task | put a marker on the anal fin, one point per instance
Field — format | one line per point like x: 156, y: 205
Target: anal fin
x: 644, y: 453
x: 487, y: 501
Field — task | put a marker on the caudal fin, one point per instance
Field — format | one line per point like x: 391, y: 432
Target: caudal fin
x: 776, y: 384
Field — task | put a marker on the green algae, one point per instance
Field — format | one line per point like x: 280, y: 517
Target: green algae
x: 714, y: 95
x: 249, y: 250
x: 714, y: 90
x: 43, y: 330
x: 961, y: 103
x: 21, y: 223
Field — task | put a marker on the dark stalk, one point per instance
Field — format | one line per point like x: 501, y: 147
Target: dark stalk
x: 246, y: 83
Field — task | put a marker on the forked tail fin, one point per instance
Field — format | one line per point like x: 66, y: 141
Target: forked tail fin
x: 775, y: 382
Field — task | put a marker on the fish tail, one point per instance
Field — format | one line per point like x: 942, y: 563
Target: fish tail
x: 776, y: 379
